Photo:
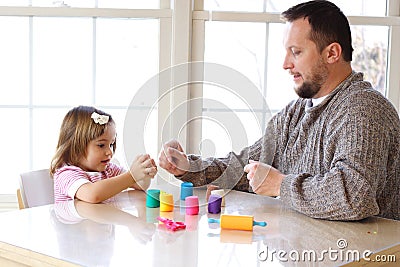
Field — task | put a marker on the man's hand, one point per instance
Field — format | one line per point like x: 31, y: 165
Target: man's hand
x: 173, y: 159
x: 263, y: 178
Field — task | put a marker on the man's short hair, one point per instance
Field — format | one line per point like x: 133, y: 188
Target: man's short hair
x: 328, y: 24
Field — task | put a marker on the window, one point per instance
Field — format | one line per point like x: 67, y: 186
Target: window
x: 247, y: 36
x: 51, y: 64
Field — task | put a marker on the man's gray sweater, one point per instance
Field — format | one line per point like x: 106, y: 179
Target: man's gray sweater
x: 341, y: 158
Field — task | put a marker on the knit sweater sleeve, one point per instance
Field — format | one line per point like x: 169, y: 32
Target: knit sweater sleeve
x: 227, y: 172
x: 357, y: 142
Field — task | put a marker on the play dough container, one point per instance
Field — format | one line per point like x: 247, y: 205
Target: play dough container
x: 166, y: 202
x: 220, y: 192
x: 214, y: 204
x: 186, y: 190
x: 153, y: 198
x: 192, y: 205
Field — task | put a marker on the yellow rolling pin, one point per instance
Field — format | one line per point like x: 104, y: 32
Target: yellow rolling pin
x: 237, y: 222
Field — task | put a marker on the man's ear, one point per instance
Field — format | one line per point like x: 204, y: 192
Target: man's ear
x: 333, y: 52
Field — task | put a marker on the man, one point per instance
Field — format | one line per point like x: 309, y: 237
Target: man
x: 334, y: 152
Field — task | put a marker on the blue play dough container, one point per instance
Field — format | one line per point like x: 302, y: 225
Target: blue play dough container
x: 186, y: 190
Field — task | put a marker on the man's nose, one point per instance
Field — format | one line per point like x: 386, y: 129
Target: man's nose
x: 287, y: 63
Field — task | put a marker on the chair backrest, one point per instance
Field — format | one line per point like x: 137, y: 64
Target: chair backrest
x: 37, y: 188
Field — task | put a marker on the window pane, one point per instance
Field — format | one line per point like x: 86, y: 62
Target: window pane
x: 65, y: 3
x: 240, y: 46
x: 150, y: 134
x: 16, y: 150
x: 279, y: 88
x: 225, y: 131
x: 62, y: 60
x: 14, y: 2
x: 370, y: 45
x: 14, y: 63
x: 353, y: 7
x: 216, y: 97
x: 280, y: 6
x: 229, y: 5
x: 362, y: 7
x: 139, y: 132
x: 129, y: 4
x: 127, y: 56
x: 46, y: 125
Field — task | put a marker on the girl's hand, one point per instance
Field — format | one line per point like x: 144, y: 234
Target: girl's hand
x: 143, y: 167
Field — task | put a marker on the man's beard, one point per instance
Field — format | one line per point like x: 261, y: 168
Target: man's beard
x: 312, y: 86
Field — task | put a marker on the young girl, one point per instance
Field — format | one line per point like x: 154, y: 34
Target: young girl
x: 82, y: 166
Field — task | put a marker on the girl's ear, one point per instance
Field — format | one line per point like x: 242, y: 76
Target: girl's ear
x: 333, y: 52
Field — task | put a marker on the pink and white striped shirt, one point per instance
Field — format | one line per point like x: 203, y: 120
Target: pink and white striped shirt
x: 68, y: 179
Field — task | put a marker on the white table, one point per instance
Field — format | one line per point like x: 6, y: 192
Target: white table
x: 123, y: 232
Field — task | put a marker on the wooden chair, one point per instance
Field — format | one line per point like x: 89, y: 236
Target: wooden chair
x: 36, y: 188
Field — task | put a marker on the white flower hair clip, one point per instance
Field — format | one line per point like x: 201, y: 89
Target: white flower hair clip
x: 100, y: 119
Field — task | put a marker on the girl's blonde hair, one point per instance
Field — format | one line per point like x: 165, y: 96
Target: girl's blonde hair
x: 77, y: 130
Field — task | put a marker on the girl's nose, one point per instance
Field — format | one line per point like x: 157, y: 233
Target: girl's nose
x: 109, y: 151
